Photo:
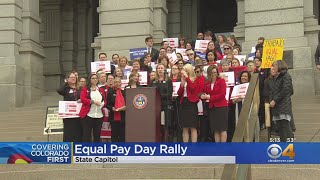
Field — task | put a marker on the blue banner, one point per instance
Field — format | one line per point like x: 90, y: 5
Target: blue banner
x: 177, y: 153
x: 137, y: 53
x: 35, y: 153
x: 202, y: 55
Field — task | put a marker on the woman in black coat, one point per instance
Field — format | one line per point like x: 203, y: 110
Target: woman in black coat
x: 116, y: 115
x: 71, y: 126
x: 280, y: 99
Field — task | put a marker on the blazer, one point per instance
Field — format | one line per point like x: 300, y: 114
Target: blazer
x: 217, y: 94
x: 86, y: 101
x: 192, y: 90
x: 68, y: 93
x: 154, y: 55
x: 111, y: 99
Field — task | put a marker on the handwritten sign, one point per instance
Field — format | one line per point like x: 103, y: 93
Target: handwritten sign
x: 100, y: 65
x: 173, y: 42
x: 54, y: 123
x: 228, y: 77
x: 137, y: 53
x: 201, y: 45
x: 69, y: 109
x: 239, y: 91
x: 175, y: 87
x: 272, y: 51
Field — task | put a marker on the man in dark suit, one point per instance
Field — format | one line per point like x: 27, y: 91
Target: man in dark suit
x: 103, y: 57
x: 154, y: 52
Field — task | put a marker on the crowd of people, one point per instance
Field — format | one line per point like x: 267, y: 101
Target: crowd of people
x: 103, y: 95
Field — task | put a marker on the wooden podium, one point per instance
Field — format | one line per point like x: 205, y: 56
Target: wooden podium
x: 143, y: 109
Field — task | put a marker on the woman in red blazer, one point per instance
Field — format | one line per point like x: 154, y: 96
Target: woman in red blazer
x: 215, y: 92
x: 91, y: 113
x: 188, y: 93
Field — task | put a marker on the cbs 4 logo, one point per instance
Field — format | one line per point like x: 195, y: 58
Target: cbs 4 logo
x: 275, y: 151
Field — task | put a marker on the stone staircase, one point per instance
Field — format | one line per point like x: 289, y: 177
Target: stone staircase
x: 27, y: 123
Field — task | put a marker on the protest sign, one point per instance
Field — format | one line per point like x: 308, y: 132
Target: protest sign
x: 201, y: 45
x: 272, y: 51
x: 69, y: 109
x: 175, y: 87
x: 100, y: 65
x: 172, y: 57
x: 173, y: 42
x: 241, y: 58
x: 227, y: 93
x: 137, y: 53
x: 143, y: 77
x: 239, y: 91
x: 183, y: 53
x: 228, y: 77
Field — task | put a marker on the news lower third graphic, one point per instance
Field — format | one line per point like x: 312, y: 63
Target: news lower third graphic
x: 35, y: 153
x: 161, y: 153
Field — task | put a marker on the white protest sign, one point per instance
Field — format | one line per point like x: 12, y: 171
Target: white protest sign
x: 201, y: 45
x: 228, y: 77
x: 204, y: 72
x: 143, y: 79
x: 173, y: 42
x: 175, y: 87
x: 69, y: 109
x: 183, y: 53
x: 169, y: 72
x: 200, y: 107
x: 100, y: 65
x: 54, y: 124
x: 127, y: 72
x: 227, y: 93
x: 241, y: 58
x: 172, y: 57
x: 239, y: 91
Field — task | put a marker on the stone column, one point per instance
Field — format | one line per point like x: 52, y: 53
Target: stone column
x: 311, y: 32
x: 31, y: 52
x: 50, y: 37
x: 124, y: 25
x: 11, y: 69
x: 189, y: 16
x: 96, y: 44
x: 174, y: 22
x: 69, y: 35
x: 240, y: 28
x: 82, y: 36
x: 282, y: 19
x: 160, y: 13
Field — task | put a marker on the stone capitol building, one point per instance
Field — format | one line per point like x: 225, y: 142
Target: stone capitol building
x: 42, y: 40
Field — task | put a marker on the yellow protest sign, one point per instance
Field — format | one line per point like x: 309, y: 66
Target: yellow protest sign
x: 272, y: 51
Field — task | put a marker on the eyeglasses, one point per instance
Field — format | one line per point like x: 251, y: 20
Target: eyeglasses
x: 226, y: 48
